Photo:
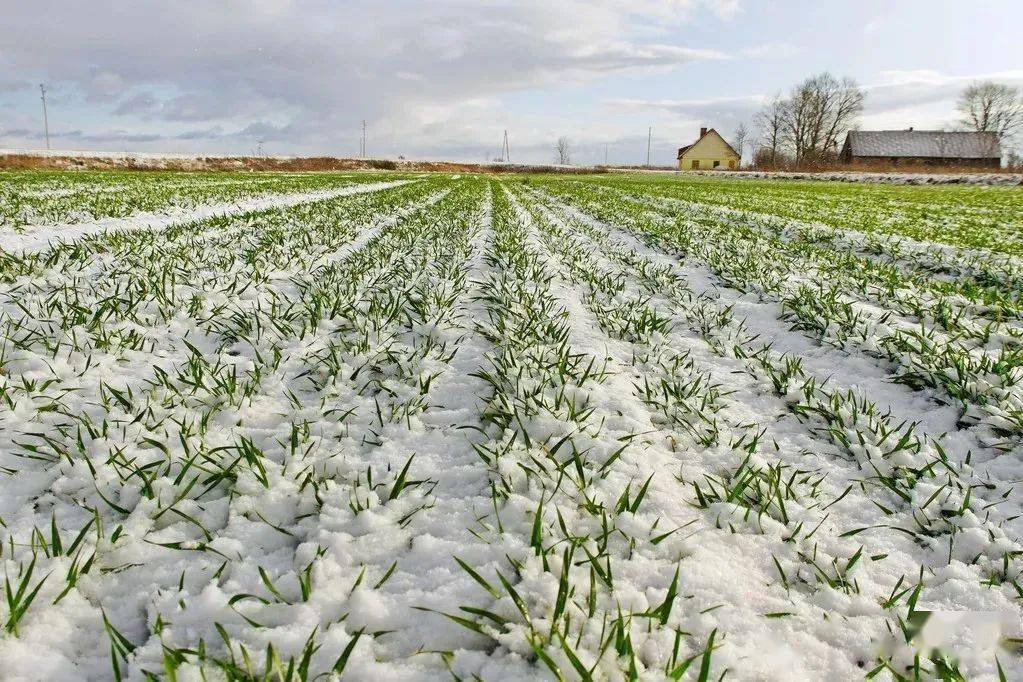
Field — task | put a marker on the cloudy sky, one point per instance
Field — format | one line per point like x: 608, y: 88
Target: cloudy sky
x: 444, y: 78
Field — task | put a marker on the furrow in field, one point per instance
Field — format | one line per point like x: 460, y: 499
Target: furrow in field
x: 117, y: 326
x: 87, y: 199
x: 714, y: 443
x: 373, y: 486
x: 916, y: 304
x: 930, y: 298
x: 894, y: 553
x: 847, y: 372
x: 950, y: 284
x: 577, y: 562
x: 42, y: 237
x: 498, y: 428
x: 58, y: 190
x: 985, y: 384
x: 927, y: 261
x: 944, y: 588
x: 427, y: 581
x: 160, y: 537
x: 978, y: 218
x: 942, y: 367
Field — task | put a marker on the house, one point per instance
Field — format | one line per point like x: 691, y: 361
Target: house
x: 708, y: 152
x: 924, y: 147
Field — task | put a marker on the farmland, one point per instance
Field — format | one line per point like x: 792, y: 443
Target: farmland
x: 397, y: 426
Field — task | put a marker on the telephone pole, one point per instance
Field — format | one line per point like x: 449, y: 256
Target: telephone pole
x: 649, y: 132
x: 46, y: 120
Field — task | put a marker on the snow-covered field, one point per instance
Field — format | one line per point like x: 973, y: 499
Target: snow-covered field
x: 535, y: 427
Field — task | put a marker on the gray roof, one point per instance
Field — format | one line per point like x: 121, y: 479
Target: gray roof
x: 935, y: 144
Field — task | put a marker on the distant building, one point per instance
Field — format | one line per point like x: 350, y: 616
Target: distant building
x: 709, y: 152
x: 922, y: 147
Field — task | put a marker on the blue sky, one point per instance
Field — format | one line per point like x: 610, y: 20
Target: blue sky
x: 444, y: 79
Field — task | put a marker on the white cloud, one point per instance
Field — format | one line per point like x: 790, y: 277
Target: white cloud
x: 684, y: 117
x: 433, y: 79
x: 778, y: 50
x: 923, y: 99
x: 673, y: 11
x: 312, y: 70
x: 900, y: 98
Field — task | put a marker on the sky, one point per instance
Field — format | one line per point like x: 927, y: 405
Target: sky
x: 444, y: 79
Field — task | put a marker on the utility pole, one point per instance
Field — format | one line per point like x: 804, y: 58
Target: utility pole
x: 649, y: 132
x: 46, y: 120
x: 505, y: 151
x: 363, y: 149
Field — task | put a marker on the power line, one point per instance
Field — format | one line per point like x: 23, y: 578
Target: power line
x: 46, y: 120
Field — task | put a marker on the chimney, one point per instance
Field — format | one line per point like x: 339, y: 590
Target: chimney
x: 703, y: 131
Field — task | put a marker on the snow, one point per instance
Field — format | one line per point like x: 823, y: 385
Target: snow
x: 40, y: 237
x: 446, y: 424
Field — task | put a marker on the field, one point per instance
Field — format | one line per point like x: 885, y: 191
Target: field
x: 408, y: 426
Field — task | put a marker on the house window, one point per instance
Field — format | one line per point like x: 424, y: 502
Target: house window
x: 731, y: 165
x: 696, y: 164
x: 717, y: 163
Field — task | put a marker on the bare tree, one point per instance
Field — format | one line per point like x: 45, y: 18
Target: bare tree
x: 739, y: 138
x: 563, y: 151
x: 770, y: 122
x: 992, y: 107
x: 817, y: 112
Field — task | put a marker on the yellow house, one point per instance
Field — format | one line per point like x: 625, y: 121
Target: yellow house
x: 707, y: 153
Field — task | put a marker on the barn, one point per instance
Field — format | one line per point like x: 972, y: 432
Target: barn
x: 921, y: 147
